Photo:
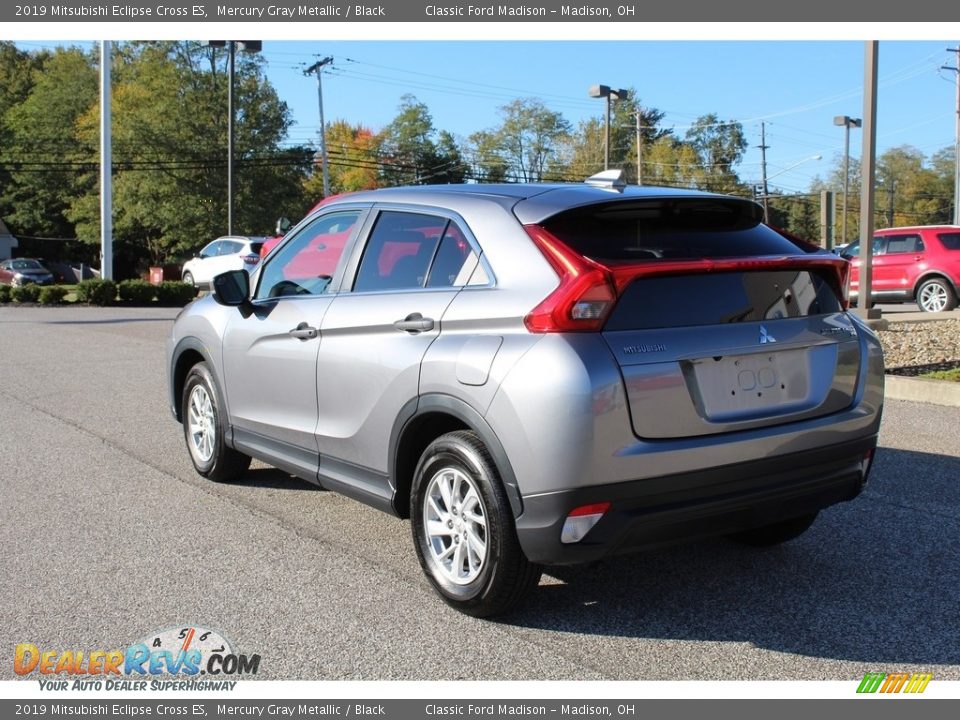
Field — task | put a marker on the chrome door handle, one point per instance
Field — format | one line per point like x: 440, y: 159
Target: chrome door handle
x: 304, y: 332
x: 414, y: 323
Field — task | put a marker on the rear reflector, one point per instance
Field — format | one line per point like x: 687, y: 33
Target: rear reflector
x: 581, y: 520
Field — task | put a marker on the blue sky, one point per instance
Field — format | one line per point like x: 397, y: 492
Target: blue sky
x: 797, y: 87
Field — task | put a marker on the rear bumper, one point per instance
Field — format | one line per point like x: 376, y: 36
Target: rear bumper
x: 682, y: 507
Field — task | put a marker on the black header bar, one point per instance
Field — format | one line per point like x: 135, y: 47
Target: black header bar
x: 594, y: 11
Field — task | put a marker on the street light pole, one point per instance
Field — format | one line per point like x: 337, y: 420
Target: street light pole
x: 231, y: 53
x: 604, y: 91
x: 251, y: 46
x: 847, y: 122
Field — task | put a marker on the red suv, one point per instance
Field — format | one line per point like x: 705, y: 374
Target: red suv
x: 919, y: 264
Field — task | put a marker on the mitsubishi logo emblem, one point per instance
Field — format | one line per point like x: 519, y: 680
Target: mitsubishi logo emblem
x: 766, y: 337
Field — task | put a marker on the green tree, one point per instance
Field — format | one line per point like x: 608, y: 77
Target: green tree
x: 46, y: 163
x: 17, y: 70
x: 720, y: 147
x: 488, y: 164
x: 411, y: 156
x: 586, y: 152
x: 169, y: 119
x: 529, y: 138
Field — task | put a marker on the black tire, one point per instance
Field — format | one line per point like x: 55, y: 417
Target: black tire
x: 936, y: 295
x: 504, y: 577
x: 188, y: 278
x: 224, y: 463
x: 777, y: 533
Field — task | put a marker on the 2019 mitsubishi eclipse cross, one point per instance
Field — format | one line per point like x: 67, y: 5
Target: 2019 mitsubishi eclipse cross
x: 538, y: 374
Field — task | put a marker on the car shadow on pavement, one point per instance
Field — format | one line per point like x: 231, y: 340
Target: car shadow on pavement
x: 874, y: 580
x: 272, y: 479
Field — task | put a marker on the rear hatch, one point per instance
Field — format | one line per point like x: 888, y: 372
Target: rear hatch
x: 718, y: 322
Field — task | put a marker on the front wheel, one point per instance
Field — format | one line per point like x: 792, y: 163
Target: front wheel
x: 777, y: 533
x: 204, y: 428
x: 463, y: 529
x: 936, y: 295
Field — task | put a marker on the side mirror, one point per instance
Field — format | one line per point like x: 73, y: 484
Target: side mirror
x: 232, y: 289
x: 283, y: 224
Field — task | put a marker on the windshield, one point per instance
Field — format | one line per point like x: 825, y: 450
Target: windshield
x: 26, y: 265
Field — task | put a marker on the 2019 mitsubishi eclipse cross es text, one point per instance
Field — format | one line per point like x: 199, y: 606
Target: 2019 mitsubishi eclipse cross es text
x: 538, y: 374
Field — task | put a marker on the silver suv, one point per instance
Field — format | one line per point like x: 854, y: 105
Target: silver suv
x: 538, y: 374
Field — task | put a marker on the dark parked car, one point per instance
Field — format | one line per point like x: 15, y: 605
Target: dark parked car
x: 538, y: 374
x: 22, y: 271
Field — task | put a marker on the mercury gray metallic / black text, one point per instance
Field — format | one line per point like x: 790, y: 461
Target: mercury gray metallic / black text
x: 539, y: 374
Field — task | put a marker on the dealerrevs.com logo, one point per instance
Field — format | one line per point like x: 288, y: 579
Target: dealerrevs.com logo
x: 171, y: 659
x: 894, y: 683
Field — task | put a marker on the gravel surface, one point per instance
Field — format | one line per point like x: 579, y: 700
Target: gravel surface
x: 923, y: 346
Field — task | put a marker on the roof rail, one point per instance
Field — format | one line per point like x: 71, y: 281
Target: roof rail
x: 610, y: 179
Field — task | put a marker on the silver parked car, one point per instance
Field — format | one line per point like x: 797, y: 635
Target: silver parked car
x: 231, y: 252
x: 539, y: 374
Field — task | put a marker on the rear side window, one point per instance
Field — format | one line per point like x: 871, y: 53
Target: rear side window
x: 950, y: 241
x: 903, y: 244
x: 229, y: 247
x: 399, y: 252
x: 680, y: 229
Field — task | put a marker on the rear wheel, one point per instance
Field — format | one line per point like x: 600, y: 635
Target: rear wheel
x: 463, y: 529
x: 777, y: 533
x: 936, y: 295
x: 204, y: 428
x: 188, y: 278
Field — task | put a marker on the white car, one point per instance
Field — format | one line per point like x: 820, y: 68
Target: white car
x: 231, y: 252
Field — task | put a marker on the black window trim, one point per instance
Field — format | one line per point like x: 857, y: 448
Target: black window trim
x: 353, y: 268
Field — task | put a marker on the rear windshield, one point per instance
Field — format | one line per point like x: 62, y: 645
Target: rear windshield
x: 950, y: 241
x: 255, y: 247
x: 677, y: 229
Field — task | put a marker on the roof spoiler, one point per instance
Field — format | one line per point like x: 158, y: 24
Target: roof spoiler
x: 609, y: 179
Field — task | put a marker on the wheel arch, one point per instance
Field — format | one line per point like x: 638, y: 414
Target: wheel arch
x: 188, y: 353
x: 934, y: 275
x: 421, y: 422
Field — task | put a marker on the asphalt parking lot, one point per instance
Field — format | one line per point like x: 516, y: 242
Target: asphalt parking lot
x: 108, y: 534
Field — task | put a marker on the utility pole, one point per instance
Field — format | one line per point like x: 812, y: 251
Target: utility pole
x: 317, y: 68
x: 956, y: 149
x: 639, y: 149
x: 891, y: 189
x: 763, y: 165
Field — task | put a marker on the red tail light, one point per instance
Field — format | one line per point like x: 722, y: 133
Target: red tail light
x: 585, y: 296
x: 251, y: 259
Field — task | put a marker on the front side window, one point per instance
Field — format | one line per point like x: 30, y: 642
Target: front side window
x: 306, y: 264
